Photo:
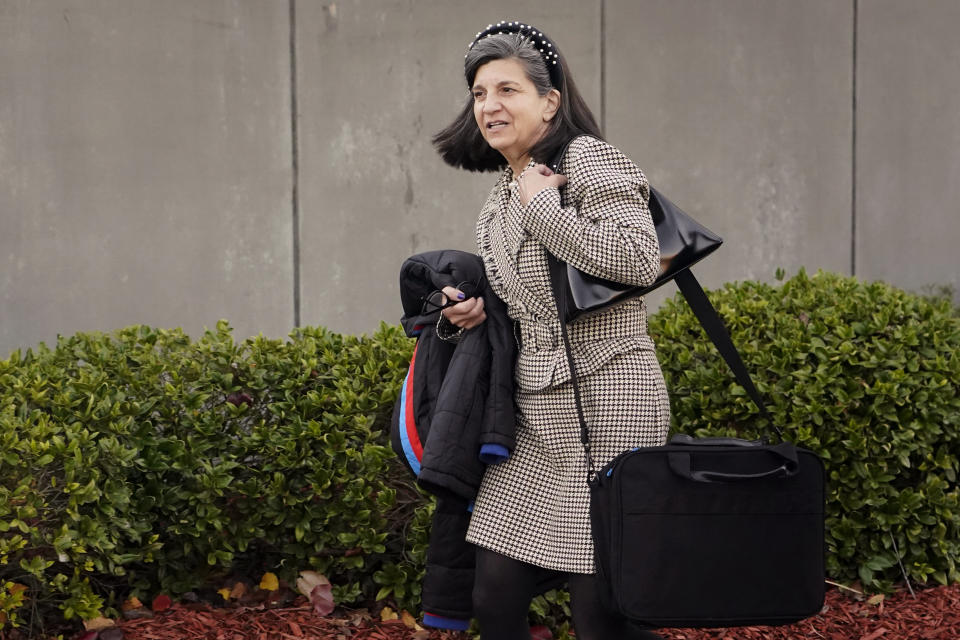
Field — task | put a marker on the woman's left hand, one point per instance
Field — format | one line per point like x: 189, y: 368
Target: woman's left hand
x: 535, y: 179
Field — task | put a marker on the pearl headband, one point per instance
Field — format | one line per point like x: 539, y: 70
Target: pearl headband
x: 537, y: 38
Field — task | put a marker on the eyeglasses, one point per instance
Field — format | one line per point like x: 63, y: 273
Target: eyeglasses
x: 438, y: 300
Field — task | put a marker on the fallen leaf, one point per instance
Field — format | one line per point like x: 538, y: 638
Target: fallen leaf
x: 878, y: 600
x: 318, y: 589
x: 308, y: 580
x: 388, y: 614
x: 409, y: 620
x: 322, y: 599
x: 16, y: 588
x: 359, y: 617
x: 269, y: 582
x: 238, y: 590
x: 225, y: 593
x: 540, y: 632
x: 161, y: 603
x: 95, y: 624
x: 132, y: 603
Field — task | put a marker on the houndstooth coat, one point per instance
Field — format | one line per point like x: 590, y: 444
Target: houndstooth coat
x: 535, y: 506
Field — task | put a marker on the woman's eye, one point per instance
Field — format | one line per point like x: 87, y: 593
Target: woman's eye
x: 477, y: 95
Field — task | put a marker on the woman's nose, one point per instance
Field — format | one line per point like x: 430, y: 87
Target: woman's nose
x: 491, y: 105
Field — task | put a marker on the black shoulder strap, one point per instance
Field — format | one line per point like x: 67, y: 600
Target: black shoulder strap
x: 715, y: 329
x: 560, y: 293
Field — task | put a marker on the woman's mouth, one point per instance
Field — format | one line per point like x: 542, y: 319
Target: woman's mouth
x: 496, y: 125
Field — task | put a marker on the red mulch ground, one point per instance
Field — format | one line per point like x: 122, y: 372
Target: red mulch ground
x: 933, y: 615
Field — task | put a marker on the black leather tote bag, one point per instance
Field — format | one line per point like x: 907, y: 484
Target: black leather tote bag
x: 683, y: 243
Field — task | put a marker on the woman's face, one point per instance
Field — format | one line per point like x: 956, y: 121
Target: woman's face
x: 511, y: 115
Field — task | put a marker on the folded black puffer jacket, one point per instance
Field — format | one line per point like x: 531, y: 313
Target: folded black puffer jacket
x: 455, y: 413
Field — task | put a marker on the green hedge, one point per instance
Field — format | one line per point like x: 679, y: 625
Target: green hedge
x: 865, y: 375
x: 143, y: 460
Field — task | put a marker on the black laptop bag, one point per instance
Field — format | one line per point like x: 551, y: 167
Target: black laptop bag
x: 711, y: 533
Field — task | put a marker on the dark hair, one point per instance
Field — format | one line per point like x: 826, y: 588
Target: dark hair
x: 462, y: 145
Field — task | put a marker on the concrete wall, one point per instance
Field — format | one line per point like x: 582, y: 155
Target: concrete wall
x: 908, y: 142
x: 145, y: 166
x: 151, y: 170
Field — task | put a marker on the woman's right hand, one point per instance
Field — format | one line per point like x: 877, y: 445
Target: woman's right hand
x: 467, y: 314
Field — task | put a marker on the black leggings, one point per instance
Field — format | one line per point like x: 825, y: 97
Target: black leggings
x: 504, y: 587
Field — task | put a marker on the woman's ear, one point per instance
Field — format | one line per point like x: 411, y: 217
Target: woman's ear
x: 552, y: 106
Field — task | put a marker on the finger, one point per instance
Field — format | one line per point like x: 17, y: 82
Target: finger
x: 468, y: 308
x: 463, y: 312
x: 474, y: 316
x: 477, y: 322
x: 453, y: 293
x: 557, y: 180
x: 455, y: 316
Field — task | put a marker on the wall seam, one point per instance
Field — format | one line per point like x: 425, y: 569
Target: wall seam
x: 603, y: 66
x: 295, y: 162
x: 853, y: 145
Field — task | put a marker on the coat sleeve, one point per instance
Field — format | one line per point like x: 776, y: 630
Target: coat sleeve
x: 606, y: 230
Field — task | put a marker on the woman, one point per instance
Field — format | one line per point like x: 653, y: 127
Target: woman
x: 532, y: 511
